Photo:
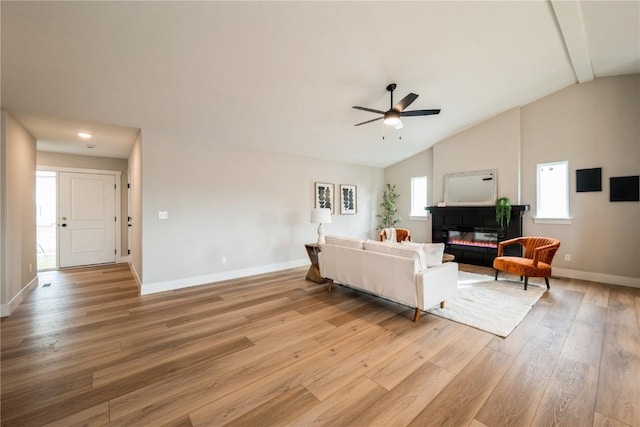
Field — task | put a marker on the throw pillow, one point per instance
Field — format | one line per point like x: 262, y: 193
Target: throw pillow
x: 347, y: 242
x: 397, y: 249
x: 433, y: 253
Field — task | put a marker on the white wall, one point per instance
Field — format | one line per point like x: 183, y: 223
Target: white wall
x: 596, y: 124
x: 101, y: 163
x: 18, y: 167
x: 492, y: 144
x: 249, y: 206
x: 400, y: 174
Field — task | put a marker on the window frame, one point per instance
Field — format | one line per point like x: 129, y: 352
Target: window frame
x: 540, y: 219
x: 419, y: 213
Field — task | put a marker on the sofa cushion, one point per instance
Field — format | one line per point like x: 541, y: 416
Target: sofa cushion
x: 433, y: 253
x: 409, y: 244
x: 347, y: 242
x: 397, y: 249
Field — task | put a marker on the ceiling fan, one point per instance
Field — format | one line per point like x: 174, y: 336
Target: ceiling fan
x: 392, y: 117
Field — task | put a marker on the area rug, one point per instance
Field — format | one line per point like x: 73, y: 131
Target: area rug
x: 493, y: 306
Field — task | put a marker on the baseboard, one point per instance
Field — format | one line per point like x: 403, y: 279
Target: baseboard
x: 7, y: 309
x: 124, y: 259
x: 633, y: 282
x: 135, y: 275
x: 151, y: 288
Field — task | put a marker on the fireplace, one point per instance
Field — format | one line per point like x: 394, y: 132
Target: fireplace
x: 471, y: 233
x: 474, y: 237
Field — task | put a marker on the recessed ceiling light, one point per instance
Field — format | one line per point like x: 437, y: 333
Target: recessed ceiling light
x: 84, y: 135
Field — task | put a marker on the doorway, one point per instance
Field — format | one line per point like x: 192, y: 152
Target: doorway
x: 78, y: 217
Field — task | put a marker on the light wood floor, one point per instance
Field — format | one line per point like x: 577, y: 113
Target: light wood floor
x: 278, y: 350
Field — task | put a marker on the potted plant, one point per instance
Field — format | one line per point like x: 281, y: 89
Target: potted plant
x: 387, y: 218
x: 503, y: 211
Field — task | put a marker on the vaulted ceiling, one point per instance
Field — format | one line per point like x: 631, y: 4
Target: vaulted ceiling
x: 284, y: 75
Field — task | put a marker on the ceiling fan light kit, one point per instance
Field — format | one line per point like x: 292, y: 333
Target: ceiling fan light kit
x: 392, y: 116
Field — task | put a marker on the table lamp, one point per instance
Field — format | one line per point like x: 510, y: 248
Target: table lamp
x: 321, y: 216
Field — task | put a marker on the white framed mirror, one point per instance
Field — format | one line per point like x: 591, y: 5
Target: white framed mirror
x: 477, y: 188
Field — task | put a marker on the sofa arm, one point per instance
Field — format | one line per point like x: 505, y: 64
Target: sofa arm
x: 436, y: 284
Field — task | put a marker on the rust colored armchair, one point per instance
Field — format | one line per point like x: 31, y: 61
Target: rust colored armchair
x: 401, y: 235
x: 536, y: 262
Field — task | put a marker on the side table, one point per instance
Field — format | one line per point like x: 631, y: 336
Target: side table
x: 314, y: 271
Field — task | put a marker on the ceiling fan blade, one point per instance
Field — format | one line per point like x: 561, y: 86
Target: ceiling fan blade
x: 405, y: 102
x: 371, y: 110
x: 369, y: 121
x: 419, y: 113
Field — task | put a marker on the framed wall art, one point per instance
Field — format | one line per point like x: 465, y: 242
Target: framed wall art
x: 348, y: 199
x: 324, y: 196
x: 624, y: 188
x: 588, y: 180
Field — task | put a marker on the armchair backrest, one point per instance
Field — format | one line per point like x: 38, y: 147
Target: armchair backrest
x: 531, y: 243
x: 401, y: 235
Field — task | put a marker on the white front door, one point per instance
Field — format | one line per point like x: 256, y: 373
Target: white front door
x: 87, y: 219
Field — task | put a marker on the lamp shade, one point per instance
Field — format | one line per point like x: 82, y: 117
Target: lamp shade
x: 321, y: 216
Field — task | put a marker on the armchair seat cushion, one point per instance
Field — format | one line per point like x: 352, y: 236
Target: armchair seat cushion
x: 522, y: 266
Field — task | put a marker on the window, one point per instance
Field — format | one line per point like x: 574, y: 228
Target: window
x: 418, y: 196
x: 553, y: 191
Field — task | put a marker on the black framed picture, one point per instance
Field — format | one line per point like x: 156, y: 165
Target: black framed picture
x: 588, y: 180
x: 624, y: 188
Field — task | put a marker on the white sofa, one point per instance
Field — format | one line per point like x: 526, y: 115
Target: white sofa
x: 408, y: 273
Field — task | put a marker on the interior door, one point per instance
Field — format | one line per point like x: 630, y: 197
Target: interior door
x: 87, y: 219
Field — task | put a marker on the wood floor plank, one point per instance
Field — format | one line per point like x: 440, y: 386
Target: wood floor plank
x: 458, y: 403
x: 570, y: 397
x: 600, y: 420
x: 95, y: 416
x: 279, y: 410
x: 400, y: 405
x: 332, y: 378
x: 454, y: 357
x: 395, y: 369
x: 276, y: 349
x: 191, y: 390
x: 516, y: 396
x: 343, y: 407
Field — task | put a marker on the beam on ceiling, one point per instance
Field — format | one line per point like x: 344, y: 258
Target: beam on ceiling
x: 569, y: 17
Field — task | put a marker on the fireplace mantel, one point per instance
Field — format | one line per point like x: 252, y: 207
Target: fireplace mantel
x: 475, y: 218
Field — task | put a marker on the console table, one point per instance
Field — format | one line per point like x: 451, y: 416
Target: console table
x: 314, y: 271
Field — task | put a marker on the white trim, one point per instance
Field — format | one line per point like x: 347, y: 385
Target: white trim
x: 123, y: 259
x: 7, y: 309
x: 539, y: 220
x: 46, y: 168
x: 151, y: 288
x: 539, y: 167
x: 419, y: 218
x: 633, y: 282
x: 135, y: 276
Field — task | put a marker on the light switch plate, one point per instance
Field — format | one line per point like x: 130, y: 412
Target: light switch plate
x: 163, y: 215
